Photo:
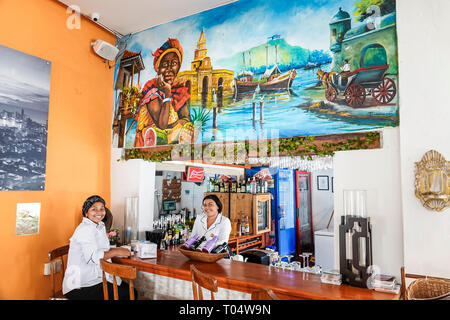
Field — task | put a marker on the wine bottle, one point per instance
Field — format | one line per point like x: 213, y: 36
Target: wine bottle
x: 247, y: 225
x: 248, y: 186
x: 220, y: 248
x: 190, y: 242
x: 211, y: 244
x: 197, y: 243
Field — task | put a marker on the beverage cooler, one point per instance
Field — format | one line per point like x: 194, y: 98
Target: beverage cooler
x: 282, y: 207
x: 304, y: 221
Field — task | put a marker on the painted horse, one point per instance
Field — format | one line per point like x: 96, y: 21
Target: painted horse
x: 325, y: 77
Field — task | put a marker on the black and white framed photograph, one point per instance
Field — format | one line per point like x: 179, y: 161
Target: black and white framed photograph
x: 24, y: 102
x: 323, y: 183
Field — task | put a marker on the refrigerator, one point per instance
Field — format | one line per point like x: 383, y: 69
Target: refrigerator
x: 303, y: 213
x: 282, y: 208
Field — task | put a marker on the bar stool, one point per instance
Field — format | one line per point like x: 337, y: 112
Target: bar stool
x: 264, y: 294
x: 114, y: 269
x: 201, y: 280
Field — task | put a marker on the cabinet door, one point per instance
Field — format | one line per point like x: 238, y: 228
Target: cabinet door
x: 261, y: 213
x: 241, y: 205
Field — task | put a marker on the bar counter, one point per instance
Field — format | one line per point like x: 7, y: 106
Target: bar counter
x: 247, y: 277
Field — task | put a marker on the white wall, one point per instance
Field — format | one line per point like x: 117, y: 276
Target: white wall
x: 322, y: 201
x: 378, y: 172
x: 424, y: 69
x: 132, y: 178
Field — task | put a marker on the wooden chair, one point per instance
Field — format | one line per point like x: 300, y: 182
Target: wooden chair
x: 54, y: 256
x: 114, y: 269
x: 201, y: 280
x: 264, y: 294
x: 404, y: 288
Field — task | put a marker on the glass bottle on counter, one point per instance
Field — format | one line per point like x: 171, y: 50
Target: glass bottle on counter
x: 233, y: 186
x: 246, y: 225
x: 211, y: 244
x: 216, y: 186
x: 238, y: 228
x: 258, y: 186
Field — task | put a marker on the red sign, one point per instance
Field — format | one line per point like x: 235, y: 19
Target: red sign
x: 195, y: 174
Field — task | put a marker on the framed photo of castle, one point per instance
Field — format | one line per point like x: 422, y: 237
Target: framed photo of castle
x: 24, y: 102
x: 258, y: 70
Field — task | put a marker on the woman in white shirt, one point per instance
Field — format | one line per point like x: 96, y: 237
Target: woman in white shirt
x: 211, y: 222
x: 89, y: 244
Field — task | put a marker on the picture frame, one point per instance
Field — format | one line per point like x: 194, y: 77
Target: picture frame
x: 332, y: 184
x: 323, y: 183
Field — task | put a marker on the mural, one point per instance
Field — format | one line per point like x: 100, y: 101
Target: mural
x: 24, y: 101
x: 259, y: 69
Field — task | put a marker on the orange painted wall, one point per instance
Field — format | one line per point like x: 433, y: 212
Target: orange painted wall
x: 79, y: 138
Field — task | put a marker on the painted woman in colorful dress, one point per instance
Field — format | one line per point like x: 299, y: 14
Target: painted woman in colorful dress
x: 163, y: 116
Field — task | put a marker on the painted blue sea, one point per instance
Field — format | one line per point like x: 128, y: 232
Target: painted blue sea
x: 288, y: 113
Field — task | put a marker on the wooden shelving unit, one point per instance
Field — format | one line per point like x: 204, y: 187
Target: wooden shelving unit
x: 239, y: 243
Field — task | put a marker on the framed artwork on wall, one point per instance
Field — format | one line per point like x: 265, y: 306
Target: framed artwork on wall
x: 24, y: 105
x: 332, y: 184
x: 323, y: 183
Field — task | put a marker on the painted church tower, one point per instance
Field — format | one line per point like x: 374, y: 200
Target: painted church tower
x: 201, y: 60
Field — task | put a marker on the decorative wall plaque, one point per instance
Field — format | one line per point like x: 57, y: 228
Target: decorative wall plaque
x: 172, y: 189
x: 432, y: 184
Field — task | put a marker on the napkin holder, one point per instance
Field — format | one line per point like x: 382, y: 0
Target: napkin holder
x: 146, y: 250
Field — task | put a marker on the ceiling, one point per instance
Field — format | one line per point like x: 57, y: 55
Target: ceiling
x: 123, y: 17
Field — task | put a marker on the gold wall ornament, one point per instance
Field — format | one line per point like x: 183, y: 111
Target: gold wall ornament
x: 432, y: 184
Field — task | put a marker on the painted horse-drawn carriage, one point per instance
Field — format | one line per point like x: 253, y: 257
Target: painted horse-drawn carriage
x: 358, y: 84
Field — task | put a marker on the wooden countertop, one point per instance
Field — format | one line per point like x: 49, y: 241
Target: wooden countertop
x: 247, y: 277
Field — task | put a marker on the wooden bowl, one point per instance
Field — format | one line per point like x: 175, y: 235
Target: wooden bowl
x: 201, y: 256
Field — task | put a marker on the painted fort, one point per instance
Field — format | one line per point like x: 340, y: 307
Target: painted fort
x: 203, y: 80
x: 370, y: 43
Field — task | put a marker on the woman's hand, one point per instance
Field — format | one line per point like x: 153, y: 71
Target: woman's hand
x: 117, y: 252
x: 164, y: 86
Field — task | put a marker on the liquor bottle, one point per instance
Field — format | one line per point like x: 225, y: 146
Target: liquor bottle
x: 197, y: 243
x: 216, y: 186
x: 221, y: 187
x: 233, y: 186
x: 258, y: 186
x: 190, y: 242
x: 246, y: 225
x: 211, y: 244
x: 254, y: 185
x: 226, y: 186
x: 243, y: 226
x: 243, y: 186
x: 238, y: 186
x: 238, y: 228
x: 248, y: 186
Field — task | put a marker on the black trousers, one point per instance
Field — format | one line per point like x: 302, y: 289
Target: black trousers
x: 96, y: 292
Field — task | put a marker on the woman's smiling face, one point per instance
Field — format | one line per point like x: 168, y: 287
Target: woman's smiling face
x: 96, y: 212
x: 210, y: 208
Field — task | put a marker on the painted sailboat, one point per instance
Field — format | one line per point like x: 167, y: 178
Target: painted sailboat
x: 274, y: 79
x: 244, y: 81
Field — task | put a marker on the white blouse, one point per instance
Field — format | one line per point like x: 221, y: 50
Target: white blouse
x: 220, y: 228
x: 87, y: 246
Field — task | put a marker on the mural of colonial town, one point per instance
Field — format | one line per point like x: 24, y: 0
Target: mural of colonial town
x: 259, y: 69
x: 24, y: 101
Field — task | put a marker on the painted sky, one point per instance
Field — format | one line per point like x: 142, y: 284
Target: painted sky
x: 242, y: 25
